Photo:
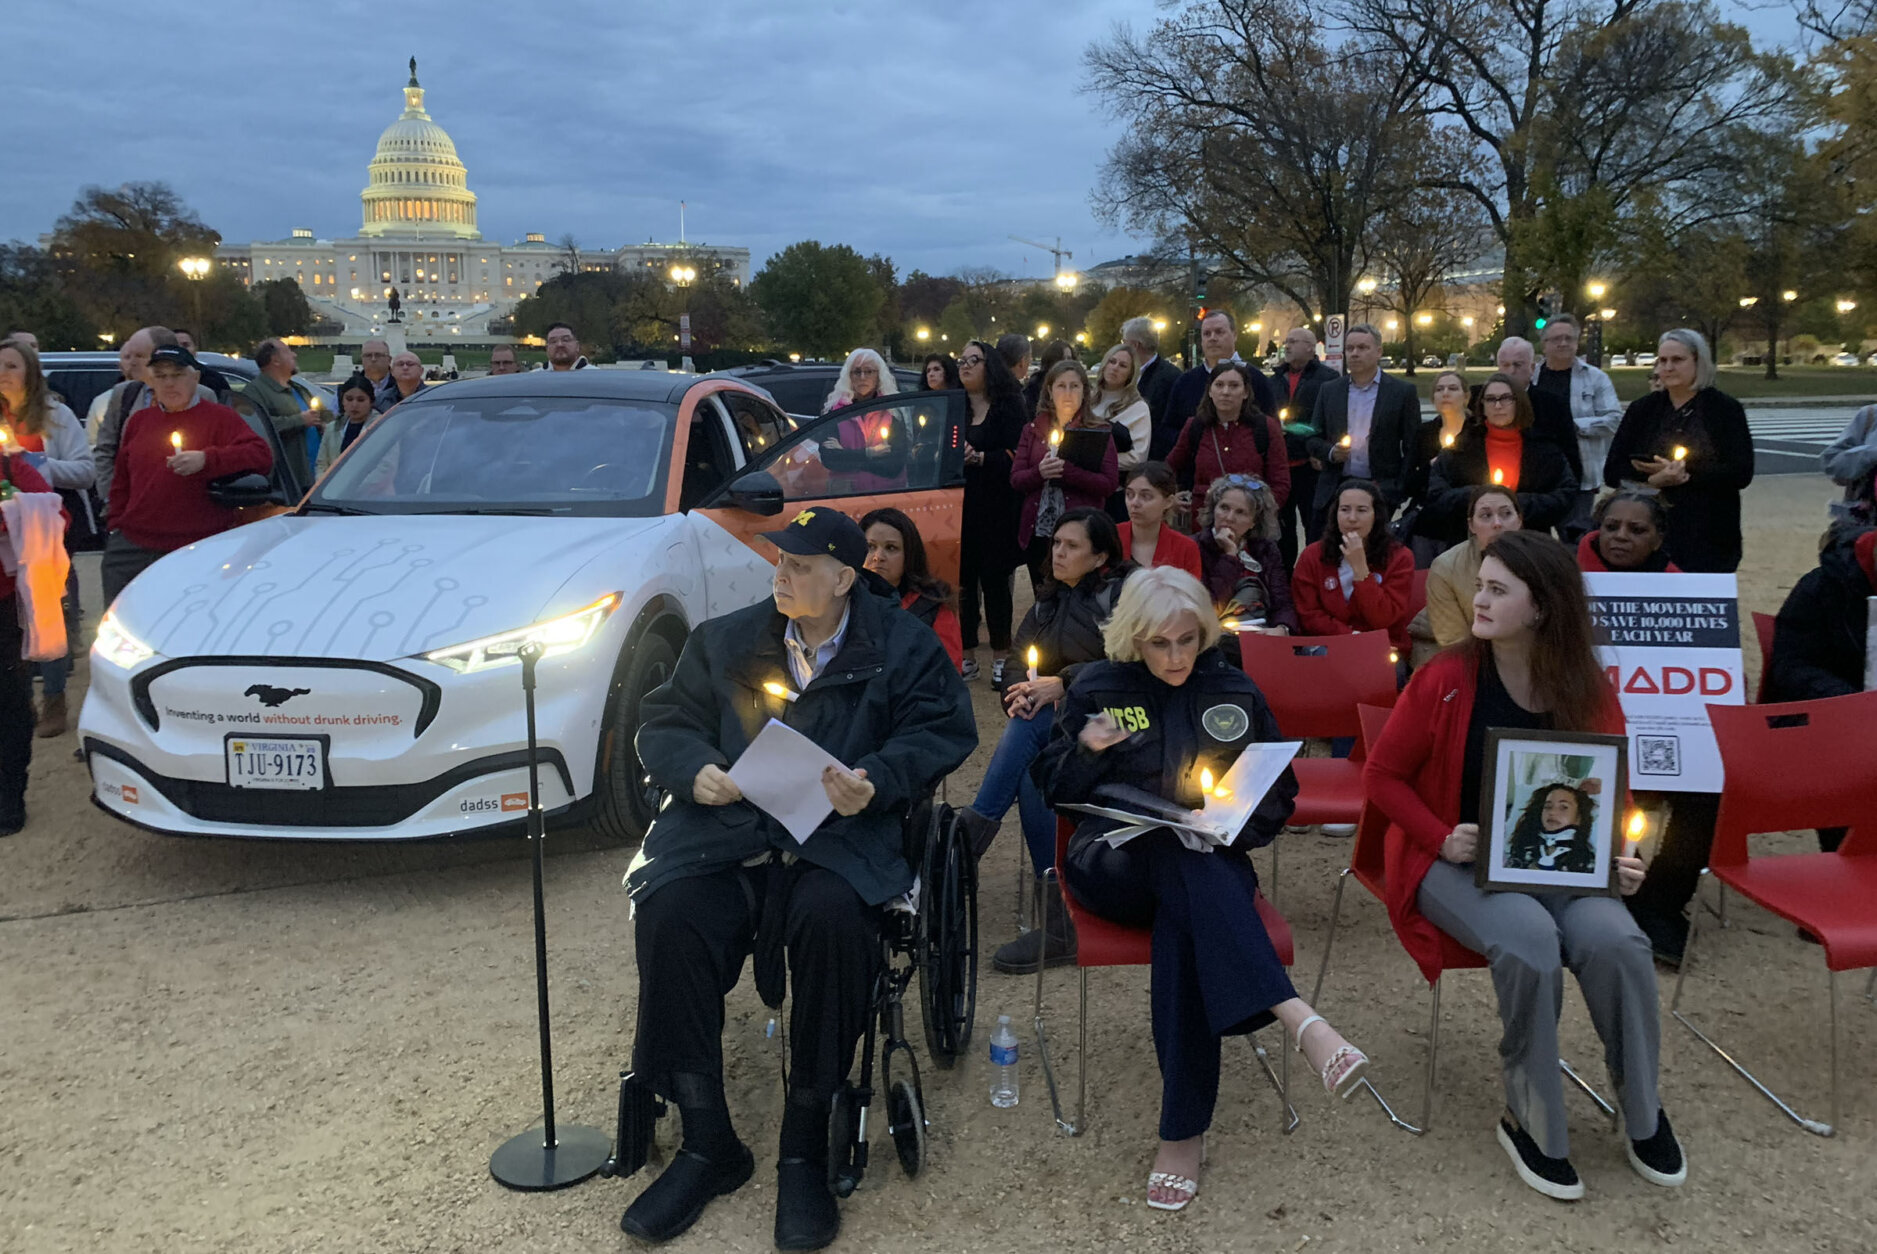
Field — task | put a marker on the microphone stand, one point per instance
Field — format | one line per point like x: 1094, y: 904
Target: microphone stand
x: 552, y: 1157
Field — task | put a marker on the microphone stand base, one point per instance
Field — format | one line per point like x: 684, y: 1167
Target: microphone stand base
x: 527, y: 1163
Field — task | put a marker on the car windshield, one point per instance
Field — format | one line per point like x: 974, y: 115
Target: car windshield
x: 499, y: 455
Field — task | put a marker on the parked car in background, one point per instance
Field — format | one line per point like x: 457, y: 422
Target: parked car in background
x: 348, y: 670
x: 1642, y: 359
x: 1846, y: 359
x: 1432, y: 359
x: 801, y: 388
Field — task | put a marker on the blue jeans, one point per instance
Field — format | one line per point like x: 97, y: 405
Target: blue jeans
x: 53, y: 674
x: 1007, y: 779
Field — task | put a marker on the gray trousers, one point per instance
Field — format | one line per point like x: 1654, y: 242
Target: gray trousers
x: 1529, y: 939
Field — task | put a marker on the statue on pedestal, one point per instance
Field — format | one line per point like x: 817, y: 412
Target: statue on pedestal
x: 396, y: 306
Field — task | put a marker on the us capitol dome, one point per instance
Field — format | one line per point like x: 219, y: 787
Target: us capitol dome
x: 419, y: 236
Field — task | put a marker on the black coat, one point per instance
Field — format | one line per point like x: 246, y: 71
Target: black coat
x: 1156, y: 388
x: 1298, y: 406
x: 889, y: 701
x: 1546, y: 488
x: 991, y: 506
x: 1191, y: 389
x: 1065, y: 624
x: 1551, y: 420
x: 1704, y: 513
x: 1819, y: 637
x: 1173, y: 735
x: 1394, y: 437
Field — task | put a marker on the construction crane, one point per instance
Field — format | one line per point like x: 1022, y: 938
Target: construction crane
x: 1064, y: 278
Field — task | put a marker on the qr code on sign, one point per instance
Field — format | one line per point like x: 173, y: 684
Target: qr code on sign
x: 1658, y: 755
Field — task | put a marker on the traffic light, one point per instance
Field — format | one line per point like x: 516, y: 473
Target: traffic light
x: 1548, y: 306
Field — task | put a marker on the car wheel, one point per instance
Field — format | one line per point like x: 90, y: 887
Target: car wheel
x: 624, y: 801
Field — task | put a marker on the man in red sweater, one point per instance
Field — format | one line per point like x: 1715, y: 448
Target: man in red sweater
x: 169, y: 453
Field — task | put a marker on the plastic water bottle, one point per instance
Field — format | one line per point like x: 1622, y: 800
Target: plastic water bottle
x: 1003, y: 1065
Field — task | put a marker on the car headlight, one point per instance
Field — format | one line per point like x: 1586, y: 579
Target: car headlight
x: 118, y: 647
x: 554, y: 635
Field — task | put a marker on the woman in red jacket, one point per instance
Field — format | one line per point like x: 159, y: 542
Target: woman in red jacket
x: 1230, y: 435
x: 1530, y: 665
x: 1358, y: 577
x: 1146, y: 537
x: 1053, y: 485
x: 1628, y: 530
x: 896, y: 553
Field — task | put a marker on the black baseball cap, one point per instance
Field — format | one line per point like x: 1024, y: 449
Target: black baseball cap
x: 175, y: 354
x: 822, y: 531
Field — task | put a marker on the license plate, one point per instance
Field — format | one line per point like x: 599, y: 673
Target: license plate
x: 290, y: 764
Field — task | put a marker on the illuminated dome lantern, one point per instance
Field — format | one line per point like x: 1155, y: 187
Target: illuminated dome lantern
x: 417, y: 186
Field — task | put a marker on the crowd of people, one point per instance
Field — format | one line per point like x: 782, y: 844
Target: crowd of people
x: 1160, y: 515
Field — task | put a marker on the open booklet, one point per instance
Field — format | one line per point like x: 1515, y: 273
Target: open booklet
x: 1228, y: 805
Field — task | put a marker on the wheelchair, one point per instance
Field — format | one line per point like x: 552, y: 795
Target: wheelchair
x: 929, y: 937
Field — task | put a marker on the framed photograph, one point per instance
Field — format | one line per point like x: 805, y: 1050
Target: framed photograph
x: 1552, y: 818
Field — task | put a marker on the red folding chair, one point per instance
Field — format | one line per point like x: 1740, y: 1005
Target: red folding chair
x: 1763, y: 628
x: 1315, y: 696
x: 1101, y: 943
x: 1367, y: 865
x: 1790, y: 765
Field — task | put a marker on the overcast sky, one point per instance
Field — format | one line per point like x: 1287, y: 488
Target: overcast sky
x: 929, y: 132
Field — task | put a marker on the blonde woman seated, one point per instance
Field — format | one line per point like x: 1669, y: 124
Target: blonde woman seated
x: 1454, y: 575
x: 1164, y: 706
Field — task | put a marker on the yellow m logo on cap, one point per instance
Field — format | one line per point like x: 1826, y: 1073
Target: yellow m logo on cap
x: 801, y: 519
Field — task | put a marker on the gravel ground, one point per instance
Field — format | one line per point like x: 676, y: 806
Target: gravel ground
x: 241, y: 1046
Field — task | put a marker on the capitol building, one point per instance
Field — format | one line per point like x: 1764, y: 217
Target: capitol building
x: 419, y: 236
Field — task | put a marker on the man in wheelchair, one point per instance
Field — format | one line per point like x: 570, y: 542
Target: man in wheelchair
x: 717, y: 879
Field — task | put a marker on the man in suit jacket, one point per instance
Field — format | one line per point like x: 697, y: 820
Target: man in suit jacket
x: 1218, y: 342
x: 1297, y: 380
x: 1381, y: 418
x: 1156, y: 380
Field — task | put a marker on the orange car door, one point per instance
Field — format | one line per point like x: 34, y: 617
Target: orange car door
x: 905, y: 451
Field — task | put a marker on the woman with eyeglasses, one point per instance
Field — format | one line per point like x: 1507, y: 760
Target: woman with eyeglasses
x: 1502, y: 452
x: 870, y: 451
x: 988, y: 550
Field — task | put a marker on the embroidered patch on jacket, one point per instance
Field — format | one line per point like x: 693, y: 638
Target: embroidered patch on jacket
x: 1225, y: 722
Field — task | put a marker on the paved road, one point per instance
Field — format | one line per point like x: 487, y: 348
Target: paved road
x: 1787, y: 439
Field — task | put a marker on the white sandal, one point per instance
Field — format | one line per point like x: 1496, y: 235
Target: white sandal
x: 1343, y: 1073
x: 1182, y: 1184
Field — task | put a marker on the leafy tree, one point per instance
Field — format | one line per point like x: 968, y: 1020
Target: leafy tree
x: 33, y: 299
x: 1103, y: 324
x: 1252, y: 141
x: 284, y: 307
x: 584, y: 301
x: 923, y: 298
x: 821, y: 299
x: 1624, y: 99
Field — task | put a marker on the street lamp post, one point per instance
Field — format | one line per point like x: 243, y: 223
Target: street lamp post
x: 1593, y: 321
x: 195, y: 269
x: 683, y: 275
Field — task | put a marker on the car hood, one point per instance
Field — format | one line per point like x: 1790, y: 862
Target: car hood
x: 380, y: 587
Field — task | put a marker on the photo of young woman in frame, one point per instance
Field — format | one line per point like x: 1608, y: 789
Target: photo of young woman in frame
x: 1554, y: 811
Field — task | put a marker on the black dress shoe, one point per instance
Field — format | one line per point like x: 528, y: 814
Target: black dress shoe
x: 673, y: 1202
x: 806, y: 1215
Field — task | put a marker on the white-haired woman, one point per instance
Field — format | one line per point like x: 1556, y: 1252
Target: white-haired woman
x: 1163, y: 707
x: 871, y: 454
x: 1689, y: 441
x: 1118, y: 401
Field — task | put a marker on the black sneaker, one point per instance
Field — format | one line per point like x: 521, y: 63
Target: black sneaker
x: 1553, y: 1177
x: 1050, y: 944
x: 1659, y: 1159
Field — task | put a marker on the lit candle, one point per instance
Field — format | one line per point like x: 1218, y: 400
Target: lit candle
x: 175, y: 441
x: 1030, y: 659
x: 1345, y: 441
x: 1681, y: 454
x: 1283, y: 415
x: 1205, y: 780
x: 1055, y: 440
x: 1446, y: 439
x: 775, y: 689
x: 1638, y: 828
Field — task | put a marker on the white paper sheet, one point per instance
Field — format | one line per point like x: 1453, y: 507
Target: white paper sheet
x: 1219, y: 823
x: 780, y: 774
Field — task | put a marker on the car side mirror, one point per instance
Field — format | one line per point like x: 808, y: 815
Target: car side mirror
x: 755, y: 493
x: 244, y: 490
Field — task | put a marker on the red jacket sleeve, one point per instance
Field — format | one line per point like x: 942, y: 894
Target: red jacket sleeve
x: 1024, y: 476
x: 237, y: 448
x: 1379, y: 606
x: 1187, y: 556
x: 945, y: 623
x: 25, y: 477
x: 1399, y: 757
x: 1277, y: 462
x: 1306, y: 594
x: 1181, y: 458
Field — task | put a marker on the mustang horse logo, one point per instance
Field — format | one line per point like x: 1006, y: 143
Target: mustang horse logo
x: 271, y: 696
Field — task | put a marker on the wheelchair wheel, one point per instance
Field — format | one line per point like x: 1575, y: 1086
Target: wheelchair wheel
x: 948, y: 948
x: 906, y: 1123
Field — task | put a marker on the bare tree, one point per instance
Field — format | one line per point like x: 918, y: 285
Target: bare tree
x: 1626, y: 98
x: 1425, y: 237
x: 1252, y: 142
